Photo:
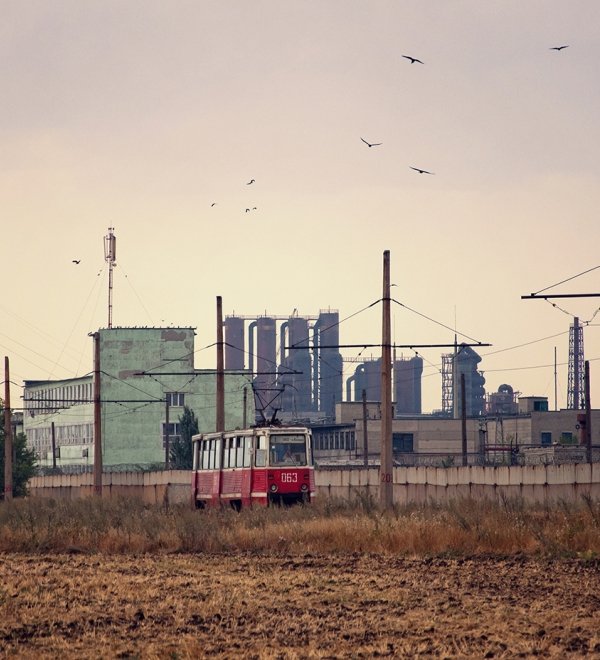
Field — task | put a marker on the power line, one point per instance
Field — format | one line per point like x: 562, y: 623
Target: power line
x: 563, y: 281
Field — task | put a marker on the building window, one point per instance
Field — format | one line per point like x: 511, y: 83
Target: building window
x: 566, y: 438
x: 175, y: 399
x: 402, y: 443
x: 546, y: 438
x: 540, y: 406
x: 174, y: 433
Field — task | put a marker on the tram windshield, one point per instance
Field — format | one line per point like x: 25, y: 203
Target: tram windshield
x: 287, y: 449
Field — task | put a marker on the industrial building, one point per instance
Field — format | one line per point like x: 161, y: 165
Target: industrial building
x: 147, y: 376
x: 406, y: 375
x: 437, y: 440
x: 301, y: 378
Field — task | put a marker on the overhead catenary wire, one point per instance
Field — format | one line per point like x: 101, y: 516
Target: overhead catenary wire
x: 589, y: 270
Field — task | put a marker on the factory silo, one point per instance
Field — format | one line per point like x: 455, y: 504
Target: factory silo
x: 295, y: 367
x: 234, y: 342
x: 407, y: 385
x: 265, y: 394
x: 328, y: 367
x: 465, y: 363
x: 367, y: 377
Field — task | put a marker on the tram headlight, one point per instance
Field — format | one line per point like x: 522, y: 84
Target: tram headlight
x: 304, y: 487
x: 273, y: 488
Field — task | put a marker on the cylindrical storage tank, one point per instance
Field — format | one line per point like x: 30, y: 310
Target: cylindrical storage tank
x: 331, y: 365
x: 407, y: 382
x: 266, y: 367
x: 329, y: 329
x: 234, y: 342
x: 372, y: 382
x: 300, y: 360
x: 266, y: 344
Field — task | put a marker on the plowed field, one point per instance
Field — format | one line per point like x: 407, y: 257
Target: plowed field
x: 309, y: 606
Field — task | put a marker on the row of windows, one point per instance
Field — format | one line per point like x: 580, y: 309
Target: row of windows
x: 51, y: 398
x: 175, y: 399
x: 566, y: 438
x: 334, y: 440
x: 73, y: 434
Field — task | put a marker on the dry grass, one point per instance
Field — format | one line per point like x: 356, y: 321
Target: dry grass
x: 110, y: 579
x: 462, y: 528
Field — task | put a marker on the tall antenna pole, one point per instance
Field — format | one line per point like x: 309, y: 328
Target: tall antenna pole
x: 110, y: 256
x: 386, y: 470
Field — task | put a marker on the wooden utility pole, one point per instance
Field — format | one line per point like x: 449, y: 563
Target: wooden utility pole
x: 588, y: 412
x: 220, y: 421
x: 463, y: 417
x: 8, y: 440
x: 365, y: 434
x: 386, y: 492
x: 97, y: 419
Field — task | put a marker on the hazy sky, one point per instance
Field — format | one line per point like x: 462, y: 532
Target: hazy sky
x: 140, y: 115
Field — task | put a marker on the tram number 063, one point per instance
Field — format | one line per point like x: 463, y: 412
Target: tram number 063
x: 289, y: 477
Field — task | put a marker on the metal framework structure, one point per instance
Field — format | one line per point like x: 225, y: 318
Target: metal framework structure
x: 447, y: 384
x: 575, y: 387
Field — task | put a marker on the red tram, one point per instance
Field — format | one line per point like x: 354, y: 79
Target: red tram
x: 263, y: 465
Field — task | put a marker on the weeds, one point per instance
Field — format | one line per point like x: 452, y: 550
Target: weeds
x: 465, y: 527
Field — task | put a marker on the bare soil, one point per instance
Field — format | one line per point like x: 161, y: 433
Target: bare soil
x: 305, y: 606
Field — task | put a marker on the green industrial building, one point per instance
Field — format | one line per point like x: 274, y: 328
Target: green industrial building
x: 147, y: 376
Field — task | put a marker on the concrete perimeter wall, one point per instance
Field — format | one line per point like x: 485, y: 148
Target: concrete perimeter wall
x: 534, y: 483
x: 152, y: 487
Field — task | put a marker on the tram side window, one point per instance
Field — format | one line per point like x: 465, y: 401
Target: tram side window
x: 261, y: 451
x: 195, y: 456
x: 247, y: 442
x: 239, y: 452
x: 205, y: 454
x: 226, y: 445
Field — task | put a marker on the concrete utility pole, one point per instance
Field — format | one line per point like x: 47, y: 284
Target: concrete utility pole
x: 220, y: 421
x: 365, y: 434
x: 588, y: 412
x: 386, y: 493
x: 167, y: 434
x: 463, y: 417
x: 97, y: 419
x: 53, y: 440
x: 8, y: 440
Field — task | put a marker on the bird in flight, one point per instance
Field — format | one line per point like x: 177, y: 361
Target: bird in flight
x: 212, y: 204
x: 558, y: 47
x: 412, y: 59
x: 374, y: 144
x: 76, y: 261
x: 420, y: 171
x: 249, y: 182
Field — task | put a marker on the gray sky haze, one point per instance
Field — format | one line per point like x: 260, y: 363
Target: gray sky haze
x: 139, y: 115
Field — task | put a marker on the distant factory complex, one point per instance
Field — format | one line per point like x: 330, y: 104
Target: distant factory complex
x: 288, y: 368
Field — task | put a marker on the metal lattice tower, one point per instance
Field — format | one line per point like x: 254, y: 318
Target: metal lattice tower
x: 447, y: 384
x: 575, y: 391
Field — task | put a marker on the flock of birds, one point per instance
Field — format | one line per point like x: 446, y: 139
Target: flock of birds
x: 412, y: 60
x: 419, y: 170
x: 415, y: 60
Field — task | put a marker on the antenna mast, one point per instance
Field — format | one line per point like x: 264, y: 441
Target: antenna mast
x: 110, y: 256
